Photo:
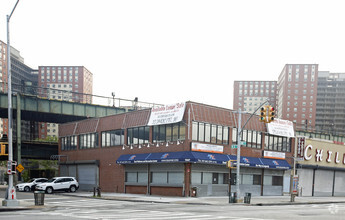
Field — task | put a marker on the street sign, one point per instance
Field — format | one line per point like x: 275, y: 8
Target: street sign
x: 298, y: 158
x: 20, y: 168
x: 233, y: 146
x: 243, y: 143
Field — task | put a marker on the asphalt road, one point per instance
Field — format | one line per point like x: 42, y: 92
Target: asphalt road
x: 58, y: 206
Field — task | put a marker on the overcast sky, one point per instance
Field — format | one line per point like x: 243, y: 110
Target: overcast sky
x: 172, y: 51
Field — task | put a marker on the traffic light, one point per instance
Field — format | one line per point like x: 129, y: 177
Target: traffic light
x: 271, y: 114
x: 263, y: 114
x: 4, y: 149
x: 230, y: 164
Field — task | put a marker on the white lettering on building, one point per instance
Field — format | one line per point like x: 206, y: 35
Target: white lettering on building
x: 336, y: 159
x: 318, y: 155
x: 306, y: 156
x: 329, y: 155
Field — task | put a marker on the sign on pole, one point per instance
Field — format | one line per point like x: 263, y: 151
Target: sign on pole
x: 281, y: 127
x: 20, y: 168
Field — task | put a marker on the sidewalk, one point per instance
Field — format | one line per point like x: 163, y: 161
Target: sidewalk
x: 219, y: 200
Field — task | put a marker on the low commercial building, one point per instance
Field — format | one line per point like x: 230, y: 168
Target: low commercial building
x: 321, y: 170
x: 175, y: 150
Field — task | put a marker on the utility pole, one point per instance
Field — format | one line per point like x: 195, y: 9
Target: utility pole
x: 239, y: 132
x: 10, y: 199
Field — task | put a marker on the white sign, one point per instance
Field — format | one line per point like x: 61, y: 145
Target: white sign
x: 167, y: 114
x: 281, y: 127
x: 207, y: 148
x: 274, y: 155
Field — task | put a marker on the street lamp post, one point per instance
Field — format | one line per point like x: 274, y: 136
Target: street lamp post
x: 10, y: 199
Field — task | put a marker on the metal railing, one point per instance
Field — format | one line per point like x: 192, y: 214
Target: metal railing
x: 63, y: 93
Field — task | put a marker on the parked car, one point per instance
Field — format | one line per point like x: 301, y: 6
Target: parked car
x: 58, y: 184
x: 30, y: 185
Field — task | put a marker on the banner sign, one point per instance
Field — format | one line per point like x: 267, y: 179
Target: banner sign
x: 300, y: 146
x: 167, y: 114
x: 274, y: 155
x: 207, y: 148
x: 281, y: 127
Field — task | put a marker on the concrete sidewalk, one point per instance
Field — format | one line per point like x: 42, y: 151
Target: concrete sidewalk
x: 219, y: 200
x: 214, y: 200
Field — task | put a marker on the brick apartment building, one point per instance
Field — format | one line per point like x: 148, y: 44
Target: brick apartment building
x: 130, y: 153
x: 70, y: 83
x: 294, y: 96
x: 297, y: 92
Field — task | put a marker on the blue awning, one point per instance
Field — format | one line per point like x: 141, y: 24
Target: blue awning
x: 200, y: 157
x: 276, y: 164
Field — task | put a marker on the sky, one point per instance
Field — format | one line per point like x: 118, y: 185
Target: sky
x: 178, y: 50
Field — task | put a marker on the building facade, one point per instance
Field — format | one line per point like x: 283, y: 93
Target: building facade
x: 24, y: 79
x: 249, y: 95
x: 322, y: 169
x: 330, y: 103
x: 297, y: 92
x: 130, y: 153
x: 70, y: 83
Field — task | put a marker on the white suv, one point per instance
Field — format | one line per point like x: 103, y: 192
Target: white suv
x: 59, y: 183
x: 30, y: 185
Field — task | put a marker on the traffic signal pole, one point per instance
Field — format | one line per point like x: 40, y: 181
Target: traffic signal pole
x: 239, y: 134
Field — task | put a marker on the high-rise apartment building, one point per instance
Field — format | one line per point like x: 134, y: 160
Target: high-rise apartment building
x: 23, y: 78
x: 297, y: 91
x: 70, y: 83
x: 330, y: 104
x: 249, y: 95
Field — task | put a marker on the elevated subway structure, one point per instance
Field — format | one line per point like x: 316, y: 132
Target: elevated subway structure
x: 41, y: 109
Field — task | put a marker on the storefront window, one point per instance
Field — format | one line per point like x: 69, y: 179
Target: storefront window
x: 69, y: 143
x: 204, y: 132
x: 207, y: 133
x: 171, y: 132
x: 195, y: 131
x: 167, y: 177
x: 201, y: 132
x: 88, y: 141
x: 136, y: 177
x: 138, y: 135
x: 277, y: 180
x: 256, y: 179
x: 225, y: 135
x: 142, y: 177
x: 131, y: 177
x: 175, y: 177
x: 206, y: 178
x: 159, y: 177
x: 113, y: 138
x: 196, y: 177
x: 277, y: 143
